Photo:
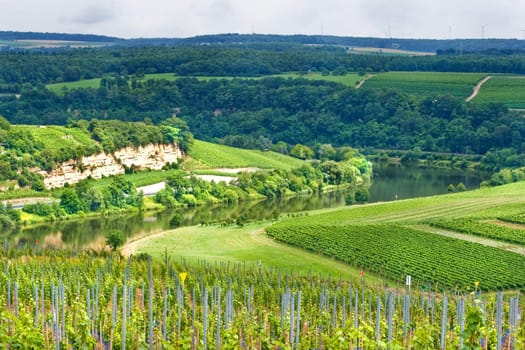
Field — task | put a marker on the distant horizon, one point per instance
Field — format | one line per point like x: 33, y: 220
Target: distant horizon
x: 411, y: 19
x: 255, y: 33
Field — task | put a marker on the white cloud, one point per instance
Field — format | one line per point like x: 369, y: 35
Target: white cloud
x: 182, y: 18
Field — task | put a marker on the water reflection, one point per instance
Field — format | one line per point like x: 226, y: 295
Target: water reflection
x: 389, y: 182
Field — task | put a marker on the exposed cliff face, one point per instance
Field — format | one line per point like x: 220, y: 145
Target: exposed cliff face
x: 145, y: 157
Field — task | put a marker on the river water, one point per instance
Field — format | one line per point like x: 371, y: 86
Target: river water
x: 389, y: 183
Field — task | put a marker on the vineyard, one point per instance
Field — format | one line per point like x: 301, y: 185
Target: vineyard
x: 395, y: 251
x: 426, y: 83
x: 484, y: 229
x: 63, y: 300
x: 508, y: 90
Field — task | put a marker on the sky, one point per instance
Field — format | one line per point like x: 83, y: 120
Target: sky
x: 441, y: 19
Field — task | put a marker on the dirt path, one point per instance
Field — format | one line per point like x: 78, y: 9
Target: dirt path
x: 476, y: 89
x: 506, y: 224
x: 476, y: 239
x: 362, y: 81
x: 19, y: 203
x: 130, y: 247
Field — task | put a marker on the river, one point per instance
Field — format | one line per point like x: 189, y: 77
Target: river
x: 389, y: 183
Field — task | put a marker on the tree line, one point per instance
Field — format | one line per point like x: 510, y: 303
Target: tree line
x: 19, y: 69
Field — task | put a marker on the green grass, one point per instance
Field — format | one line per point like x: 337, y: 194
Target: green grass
x: 158, y: 76
x: 509, y: 90
x: 212, y: 155
x: 483, y: 203
x: 426, y: 83
x: 247, y: 244
x: 58, y: 88
x: 56, y: 137
x: 350, y: 79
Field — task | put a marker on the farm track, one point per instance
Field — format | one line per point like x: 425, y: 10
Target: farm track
x: 130, y: 247
x: 475, y: 239
x: 362, y: 81
x: 505, y: 224
x: 476, y: 89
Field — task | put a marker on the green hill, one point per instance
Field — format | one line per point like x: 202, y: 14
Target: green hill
x: 210, y: 155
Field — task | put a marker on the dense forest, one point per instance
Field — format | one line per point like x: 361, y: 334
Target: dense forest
x: 260, y: 113
x: 24, y: 69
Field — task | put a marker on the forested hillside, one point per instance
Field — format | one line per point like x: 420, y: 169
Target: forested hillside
x: 21, y: 66
x: 259, y: 113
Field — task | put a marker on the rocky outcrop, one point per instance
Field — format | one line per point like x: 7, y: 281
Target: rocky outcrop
x: 151, y: 156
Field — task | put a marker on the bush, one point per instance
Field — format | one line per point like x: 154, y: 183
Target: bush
x: 176, y: 221
x: 115, y: 239
x: 362, y: 195
x: 349, y: 199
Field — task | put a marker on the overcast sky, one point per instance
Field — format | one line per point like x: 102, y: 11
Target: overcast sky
x: 182, y: 18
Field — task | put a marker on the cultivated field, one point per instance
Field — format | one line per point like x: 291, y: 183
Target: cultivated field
x: 509, y: 90
x: 389, y: 237
x: 424, y: 84
x: 211, y: 155
x: 58, y: 299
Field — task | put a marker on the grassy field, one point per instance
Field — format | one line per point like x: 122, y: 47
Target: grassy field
x: 240, y: 244
x: 509, y: 90
x: 57, y: 88
x: 426, y: 83
x: 56, y: 137
x: 211, y: 155
x: 483, y: 203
